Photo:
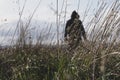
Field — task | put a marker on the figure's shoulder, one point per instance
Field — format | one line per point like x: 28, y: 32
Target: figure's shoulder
x: 69, y: 20
x: 80, y: 21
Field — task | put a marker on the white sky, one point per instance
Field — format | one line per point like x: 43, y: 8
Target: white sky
x: 9, y: 9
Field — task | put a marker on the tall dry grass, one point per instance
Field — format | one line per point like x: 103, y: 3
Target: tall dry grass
x: 98, y: 58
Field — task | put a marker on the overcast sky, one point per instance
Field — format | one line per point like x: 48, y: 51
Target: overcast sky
x: 9, y: 9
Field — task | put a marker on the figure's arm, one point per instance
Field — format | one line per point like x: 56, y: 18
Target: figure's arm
x: 83, y: 31
x: 66, y: 31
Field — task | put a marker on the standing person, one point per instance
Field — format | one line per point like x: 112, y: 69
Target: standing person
x: 74, y: 31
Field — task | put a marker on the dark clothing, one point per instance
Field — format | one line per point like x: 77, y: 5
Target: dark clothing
x: 74, y: 31
x: 74, y: 28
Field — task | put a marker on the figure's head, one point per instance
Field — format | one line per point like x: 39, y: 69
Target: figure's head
x: 74, y: 15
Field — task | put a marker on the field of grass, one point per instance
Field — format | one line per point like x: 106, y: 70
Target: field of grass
x: 98, y: 58
x: 50, y: 63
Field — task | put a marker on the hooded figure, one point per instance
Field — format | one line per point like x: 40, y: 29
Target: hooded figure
x: 74, y: 30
